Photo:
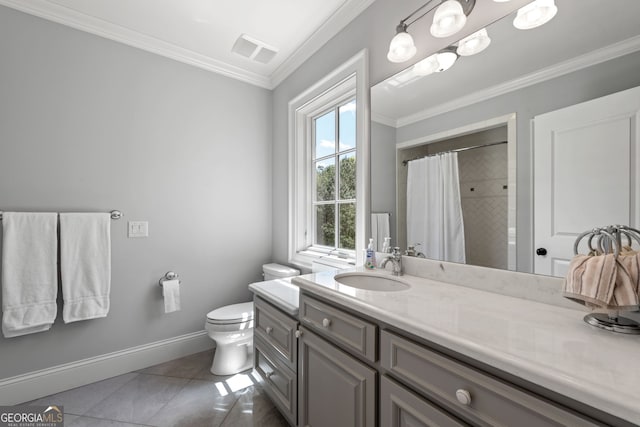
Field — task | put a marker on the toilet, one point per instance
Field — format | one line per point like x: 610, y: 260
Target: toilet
x: 231, y: 327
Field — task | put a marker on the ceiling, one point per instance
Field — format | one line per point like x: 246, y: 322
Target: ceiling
x: 582, y: 33
x: 203, y: 32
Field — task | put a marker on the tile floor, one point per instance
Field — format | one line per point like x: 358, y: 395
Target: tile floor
x: 181, y: 392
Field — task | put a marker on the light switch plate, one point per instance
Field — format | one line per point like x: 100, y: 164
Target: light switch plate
x: 138, y: 229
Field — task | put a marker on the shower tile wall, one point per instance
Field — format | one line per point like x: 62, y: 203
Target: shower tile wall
x: 483, y: 189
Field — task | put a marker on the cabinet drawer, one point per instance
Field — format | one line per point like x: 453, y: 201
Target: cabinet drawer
x: 280, y: 382
x: 491, y: 402
x: 276, y: 329
x: 353, y: 333
x: 400, y: 407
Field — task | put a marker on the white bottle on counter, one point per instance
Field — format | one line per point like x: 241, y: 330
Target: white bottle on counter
x: 370, y: 261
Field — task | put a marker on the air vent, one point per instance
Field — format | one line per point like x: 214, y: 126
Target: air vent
x: 254, y: 49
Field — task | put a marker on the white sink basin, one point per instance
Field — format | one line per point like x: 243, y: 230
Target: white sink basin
x: 372, y: 282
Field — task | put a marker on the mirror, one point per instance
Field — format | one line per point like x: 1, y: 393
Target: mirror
x: 588, y: 50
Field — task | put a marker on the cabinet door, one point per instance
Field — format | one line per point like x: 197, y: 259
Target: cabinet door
x: 335, y: 389
x: 401, y: 408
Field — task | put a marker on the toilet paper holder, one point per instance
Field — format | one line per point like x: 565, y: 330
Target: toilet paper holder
x: 170, y: 275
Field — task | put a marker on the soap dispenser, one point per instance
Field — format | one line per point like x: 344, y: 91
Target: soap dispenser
x: 386, y: 246
x: 370, y: 262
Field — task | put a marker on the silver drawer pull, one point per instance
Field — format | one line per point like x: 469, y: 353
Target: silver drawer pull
x: 268, y: 330
x: 463, y: 397
x: 269, y: 374
x: 326, y: 322
x: 298, y: 334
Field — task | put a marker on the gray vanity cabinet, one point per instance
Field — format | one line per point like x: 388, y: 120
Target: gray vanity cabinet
x: 400, y: 407
x: 354, y: 334
x: 335, y: 389
x: 275, y: 356
x: 470, y: 394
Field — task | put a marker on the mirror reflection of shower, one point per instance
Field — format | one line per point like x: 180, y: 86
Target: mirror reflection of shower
x: 482, y: 170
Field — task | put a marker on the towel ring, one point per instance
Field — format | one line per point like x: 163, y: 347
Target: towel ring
x: 600, y: 235
x: 170, y: 275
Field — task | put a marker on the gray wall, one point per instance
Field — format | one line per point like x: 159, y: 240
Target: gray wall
x: 590, y: 83
x: 87, y: 124
x: 383, y: 178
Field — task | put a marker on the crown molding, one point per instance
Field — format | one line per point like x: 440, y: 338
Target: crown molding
x: 598, y: 56
x: 80, y: 21
x: 385, y: 120
x: 332, y: 26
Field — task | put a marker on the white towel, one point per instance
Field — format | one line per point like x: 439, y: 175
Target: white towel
x: 379, y: 229
x: 29, y: 272
x: 85, y: 265
x: 171, y: 294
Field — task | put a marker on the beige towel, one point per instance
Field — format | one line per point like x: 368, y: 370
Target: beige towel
x: 604, y: 281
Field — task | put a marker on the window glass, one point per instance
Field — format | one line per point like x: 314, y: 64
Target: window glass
x: 347, y: 225
x: 348, y: 176
x: 326, y: 179
x: 325, y: 225
x: 348, y: 126
x: 325, y: 135
x: 334, y: 208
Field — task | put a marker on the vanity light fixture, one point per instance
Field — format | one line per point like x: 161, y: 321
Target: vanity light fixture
x: 401, y: 48
x: 475, y: 43
x: 450, y: 17
x: 535, y: 14
x: 436, y: 63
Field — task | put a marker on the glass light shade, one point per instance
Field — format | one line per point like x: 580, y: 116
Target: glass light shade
x: 448, y: 19
x: 535, y: 14
x: 475, y: 43
x: 427, y: 66
x: 445, y: 61
x: 401, y: 47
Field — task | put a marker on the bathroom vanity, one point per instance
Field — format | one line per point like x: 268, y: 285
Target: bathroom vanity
x: 441, y: 354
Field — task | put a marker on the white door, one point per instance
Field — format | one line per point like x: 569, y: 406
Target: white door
x: 586, y: 170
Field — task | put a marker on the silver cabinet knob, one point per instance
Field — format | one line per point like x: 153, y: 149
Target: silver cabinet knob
x: 326, y: 322
x: 268, y: 374
x: 268, y: 330
x: 463, y: 397
x: 298, y: 334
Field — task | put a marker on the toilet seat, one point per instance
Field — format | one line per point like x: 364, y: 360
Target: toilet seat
x: 231, y: 314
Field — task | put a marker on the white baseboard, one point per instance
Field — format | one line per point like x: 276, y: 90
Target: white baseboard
x: 33, y: 385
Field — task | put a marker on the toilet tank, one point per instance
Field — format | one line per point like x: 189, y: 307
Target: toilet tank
x: 278, y: 271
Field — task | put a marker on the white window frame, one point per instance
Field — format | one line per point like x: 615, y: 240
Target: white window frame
x: 348, y: 80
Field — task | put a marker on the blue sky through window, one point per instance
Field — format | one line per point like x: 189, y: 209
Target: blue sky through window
x: 326, y: 134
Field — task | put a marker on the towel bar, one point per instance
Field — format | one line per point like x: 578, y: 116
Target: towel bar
x: 115, y: 214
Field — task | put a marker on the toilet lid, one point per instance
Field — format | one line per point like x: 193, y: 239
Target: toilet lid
x: 235, y: 313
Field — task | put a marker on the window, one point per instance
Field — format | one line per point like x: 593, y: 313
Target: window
x: 329, y: 167
x: 334, y: 183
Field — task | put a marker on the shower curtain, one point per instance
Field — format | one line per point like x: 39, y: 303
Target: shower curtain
x: 434, y: 209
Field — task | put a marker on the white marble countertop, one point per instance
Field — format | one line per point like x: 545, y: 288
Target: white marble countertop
x: 279, y: 292
x: 545, y: 344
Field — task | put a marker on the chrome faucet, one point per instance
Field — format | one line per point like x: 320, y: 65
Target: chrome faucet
x: 396, y: 260
x: 411, y: 251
